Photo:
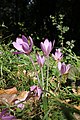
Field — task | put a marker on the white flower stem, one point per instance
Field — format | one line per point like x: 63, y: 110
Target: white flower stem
x: 47, y: 72
x: 42, y: 78
x: 35, y: 70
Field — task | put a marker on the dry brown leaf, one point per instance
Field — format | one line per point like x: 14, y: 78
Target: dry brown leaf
x: 68, y: 100
x: 9, y: 91
x: 74, y: 90
x: 77, y: 107
x: 76, y: 116
x: 7, y: 98
x: 22, y: 96
x: 78, y: 91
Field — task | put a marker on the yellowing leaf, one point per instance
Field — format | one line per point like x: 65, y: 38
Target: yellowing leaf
x: 22, y: 96
x: 9, y: 91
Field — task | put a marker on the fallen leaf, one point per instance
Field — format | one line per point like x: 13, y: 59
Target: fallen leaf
x: 76, y: 116
x: 22, y: 96
x: 78, y: 90
x: 7, y: 98
x: 68, y: 100
x: 9, y: 91
x: 77, y: 107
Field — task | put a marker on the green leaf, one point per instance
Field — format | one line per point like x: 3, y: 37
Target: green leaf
x: 73, y: 73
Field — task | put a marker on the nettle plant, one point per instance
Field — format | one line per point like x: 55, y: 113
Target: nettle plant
x: 42, y: 87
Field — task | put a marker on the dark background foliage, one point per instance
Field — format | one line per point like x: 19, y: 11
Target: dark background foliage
x: 32, y: 17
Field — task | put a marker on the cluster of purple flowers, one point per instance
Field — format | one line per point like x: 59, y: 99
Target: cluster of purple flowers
x: 5, y: 115
x: 25, y: 45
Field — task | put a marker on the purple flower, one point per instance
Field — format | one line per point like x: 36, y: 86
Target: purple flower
x: 23, y: 44
x: 58, y: 55
x: 47, y: 47
x: 40, y: 60
x: 5, y: 115
x: 19, y: 104
x: 20, y: 101
x: 37, y: 90
x: 63, y: 68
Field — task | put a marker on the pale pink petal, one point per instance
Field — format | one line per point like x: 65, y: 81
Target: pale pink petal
x: 50, y: 46
x: 17, y: 46
x: 53, y: 43
x: 49, y: 49
x: 32, y: 88
x: 19, y: 41
x: 68, y: 68
x: 40, y: 60
x: 46, y: 43
x: 19, y: 105
x: 46, y: 47
x: 39, y: 92
x: 43, y: 48
x: 23, y: 45
x: 59, y: 66
x: 54, y: 56
x: 58, y: 55
x: 43, y: 60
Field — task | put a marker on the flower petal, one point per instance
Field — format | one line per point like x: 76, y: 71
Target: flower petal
x: 19, y: 40
x: 46, y: 43
x: 59, y: 66
x: 25, y: 47
x: 46, y: 47
x: 68, y: 68
x: 40, y: 59
x: 31, y: 41
x: 63, y: 68
x: 53, y: 43
x: 43, y: 48
x: 54, y: 56
x: 24, y: 39
x: 31, y: 44
x: 19, y: 105
x: 39, y: 92
x: 49, y: 49
x: 32, y: 88
x: 17, y: 46
x: 8, y: 117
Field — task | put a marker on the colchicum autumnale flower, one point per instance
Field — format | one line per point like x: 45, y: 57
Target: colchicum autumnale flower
x: 63, y: 68
x: 20, y: 100
x: 37, y: 91
x: 58, y: 55
x: 19, y: 105
x: 47, y: 47
x: 5, y: 115
x: 23, y: 44
x: 40, y: 60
